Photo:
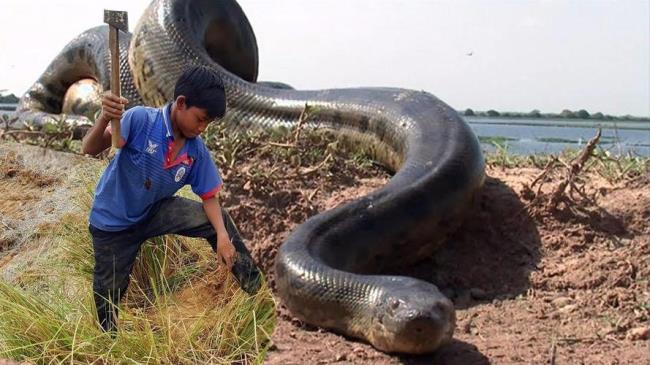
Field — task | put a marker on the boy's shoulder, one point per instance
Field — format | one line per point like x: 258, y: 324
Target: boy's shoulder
x: 139, y: 122
x: 141, y: 111
x: 142, y: 117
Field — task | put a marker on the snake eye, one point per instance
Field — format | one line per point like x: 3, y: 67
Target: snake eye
x: 394, y: 303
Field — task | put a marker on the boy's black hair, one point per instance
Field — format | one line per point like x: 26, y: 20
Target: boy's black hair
x: 202, y: 88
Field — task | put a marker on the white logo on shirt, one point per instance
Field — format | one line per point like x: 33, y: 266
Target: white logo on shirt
x: 179, y: 174
x: 152, y: 148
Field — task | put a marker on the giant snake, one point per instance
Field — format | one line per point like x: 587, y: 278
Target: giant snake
x: 328, y: 269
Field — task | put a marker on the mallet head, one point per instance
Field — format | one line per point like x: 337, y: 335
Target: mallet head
x: 117, y: 19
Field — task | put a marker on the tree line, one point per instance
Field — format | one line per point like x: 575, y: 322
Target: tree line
x: 565, y: 114
x: 8, y: 99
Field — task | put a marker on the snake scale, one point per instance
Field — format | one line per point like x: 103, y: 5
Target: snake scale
x: 328, y: 271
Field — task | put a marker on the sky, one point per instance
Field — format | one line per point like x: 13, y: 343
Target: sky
x: 515, y: 55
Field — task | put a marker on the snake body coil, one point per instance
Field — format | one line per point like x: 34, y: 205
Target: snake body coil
x: 328, y: 269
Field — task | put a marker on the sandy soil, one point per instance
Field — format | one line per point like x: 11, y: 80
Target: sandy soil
x: 530, y: 285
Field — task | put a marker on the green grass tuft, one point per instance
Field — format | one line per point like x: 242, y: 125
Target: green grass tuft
x: 181, y: 308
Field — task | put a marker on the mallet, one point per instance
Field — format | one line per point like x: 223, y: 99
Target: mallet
x: 116, y: 20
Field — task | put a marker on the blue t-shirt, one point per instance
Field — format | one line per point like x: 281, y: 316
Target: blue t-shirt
x: 142, y: 172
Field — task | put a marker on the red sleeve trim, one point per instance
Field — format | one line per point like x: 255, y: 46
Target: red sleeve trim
x: 211, y: 193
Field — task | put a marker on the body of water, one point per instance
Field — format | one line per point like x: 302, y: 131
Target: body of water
x: 4, y: 107
x: 546, y: 136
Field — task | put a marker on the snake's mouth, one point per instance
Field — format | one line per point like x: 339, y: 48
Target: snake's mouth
x: 417, y: 324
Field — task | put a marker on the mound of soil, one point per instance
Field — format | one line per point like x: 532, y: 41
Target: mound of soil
x: 33, y: 194
x: 530, y: 285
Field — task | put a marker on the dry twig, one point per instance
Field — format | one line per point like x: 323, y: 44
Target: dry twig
x: 301, y: 121
x: 304, y: 115
x: 539, y: 177
x: 553, y: 351
x: 576, y: 166
x: 570, y: 181
x: 312, y: 169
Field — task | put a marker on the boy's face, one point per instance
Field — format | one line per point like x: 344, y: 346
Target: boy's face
x: 191, y: 121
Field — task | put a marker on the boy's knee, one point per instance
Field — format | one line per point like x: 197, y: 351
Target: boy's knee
x: 115, y: 284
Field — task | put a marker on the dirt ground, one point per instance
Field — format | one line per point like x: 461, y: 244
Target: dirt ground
x: 530, y: 285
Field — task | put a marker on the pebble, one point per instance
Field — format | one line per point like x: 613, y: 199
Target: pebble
x: 568, y: 308
x: 360, y: 353
x: 467, y: 326
x: 639, y: 333
x: 560, y: 302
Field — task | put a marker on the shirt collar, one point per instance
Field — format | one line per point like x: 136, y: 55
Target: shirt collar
x: 166, y: 113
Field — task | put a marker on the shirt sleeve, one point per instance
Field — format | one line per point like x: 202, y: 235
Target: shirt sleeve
x: 204, y: 177
x: 126, y: 123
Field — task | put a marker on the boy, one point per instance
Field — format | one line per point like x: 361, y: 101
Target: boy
x: 134, y: 199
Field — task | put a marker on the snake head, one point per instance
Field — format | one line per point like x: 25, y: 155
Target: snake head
x: 411, y: 317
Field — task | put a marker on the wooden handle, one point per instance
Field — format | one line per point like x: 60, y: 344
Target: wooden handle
x: 113, y: 44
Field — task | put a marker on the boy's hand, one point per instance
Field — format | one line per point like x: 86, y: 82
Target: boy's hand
x: 226, y: 250
x: 112, y: 107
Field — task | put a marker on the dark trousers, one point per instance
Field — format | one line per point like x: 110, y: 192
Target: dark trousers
x: 115, y: 252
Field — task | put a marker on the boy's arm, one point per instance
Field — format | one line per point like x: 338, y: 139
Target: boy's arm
x: 225, y: 248
x: 97, y: 139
